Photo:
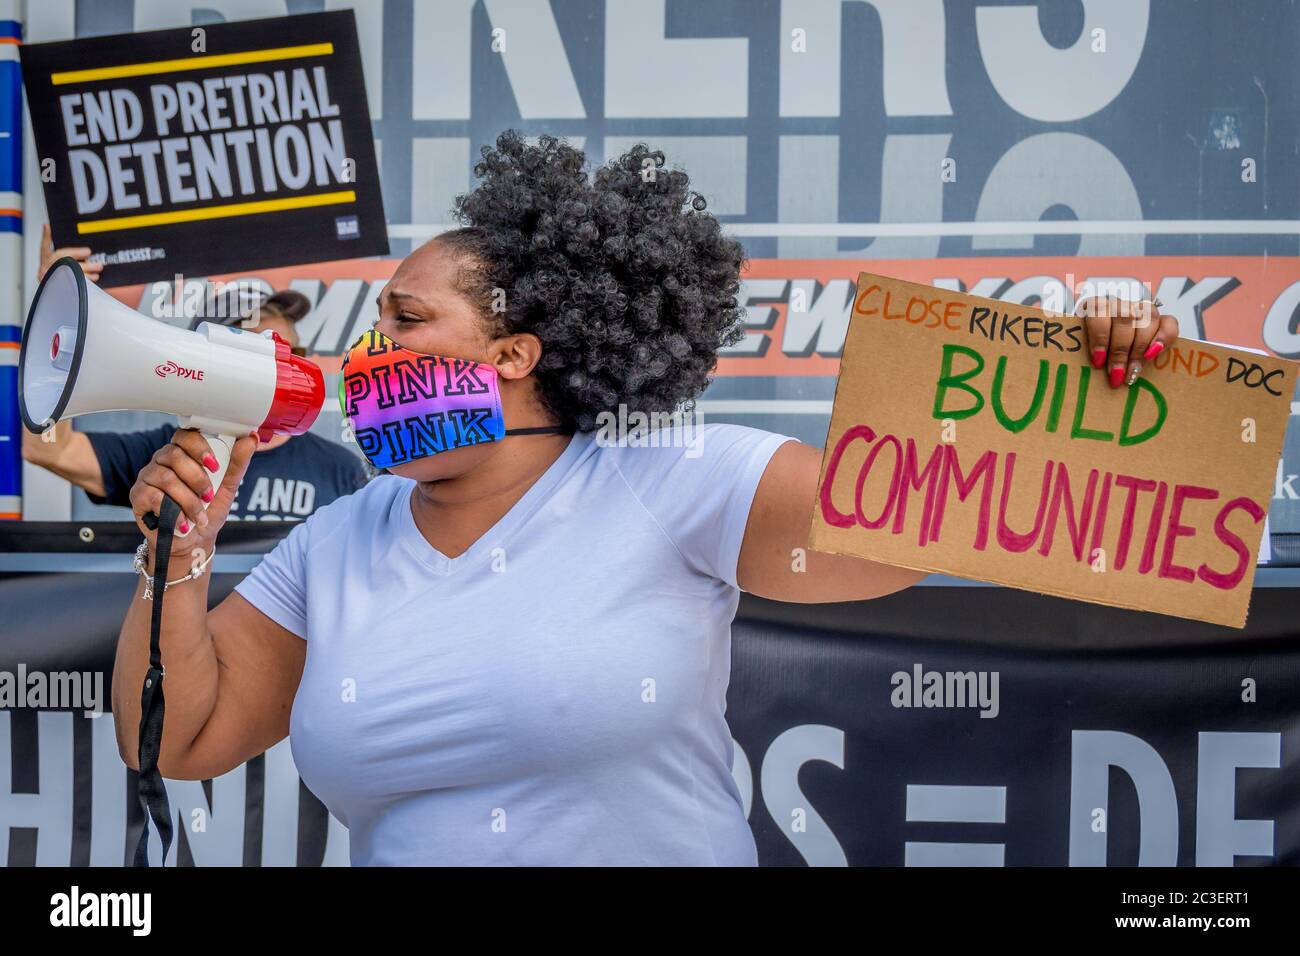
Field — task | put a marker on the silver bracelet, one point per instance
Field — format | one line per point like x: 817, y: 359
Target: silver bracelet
x: 142, y: 554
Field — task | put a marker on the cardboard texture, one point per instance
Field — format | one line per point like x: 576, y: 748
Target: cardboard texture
x: 973, y: 437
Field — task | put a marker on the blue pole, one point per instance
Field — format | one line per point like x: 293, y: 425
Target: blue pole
x: 11, y: 258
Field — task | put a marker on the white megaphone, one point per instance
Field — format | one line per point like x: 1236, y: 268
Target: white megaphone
x: 83, y: 351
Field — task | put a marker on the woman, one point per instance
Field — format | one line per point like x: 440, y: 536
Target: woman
x: 517, y: 652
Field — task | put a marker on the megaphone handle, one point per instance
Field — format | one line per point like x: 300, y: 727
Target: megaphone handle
x: 222, y: 446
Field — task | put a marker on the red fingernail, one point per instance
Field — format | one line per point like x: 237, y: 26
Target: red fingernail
x: 210, y: 463
x: 207, y: 495
x: 1153, y: 349
x: 185, y: 527
x: 1098, y: 357
x: 1117, y: 376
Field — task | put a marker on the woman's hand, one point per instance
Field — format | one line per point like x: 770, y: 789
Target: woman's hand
x: 49, y: 255
x: 1122, y: 335
x: 182, y: 469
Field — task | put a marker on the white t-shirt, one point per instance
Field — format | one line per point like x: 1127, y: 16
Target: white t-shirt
x: 553, y: 696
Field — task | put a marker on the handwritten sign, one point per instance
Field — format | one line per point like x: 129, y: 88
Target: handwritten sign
x: 972, y: 437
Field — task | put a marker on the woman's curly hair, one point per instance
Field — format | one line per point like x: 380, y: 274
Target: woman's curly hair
x: 630, y: 286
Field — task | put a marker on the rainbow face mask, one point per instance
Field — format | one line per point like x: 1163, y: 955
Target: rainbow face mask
x: 406, y: 405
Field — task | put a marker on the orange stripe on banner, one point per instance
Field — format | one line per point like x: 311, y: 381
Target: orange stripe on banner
x: 793, y: 342
x: 9, y: 345
x: 807, y: 342
x: 14, y: 40
x: 11, y: 212
x: 10, y: 516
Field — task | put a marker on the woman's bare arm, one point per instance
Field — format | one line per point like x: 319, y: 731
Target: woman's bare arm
x: 775, y: 560
x: 230, y: 673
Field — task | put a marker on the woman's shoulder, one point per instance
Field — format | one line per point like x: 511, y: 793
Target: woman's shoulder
x: 683, y: 441
x: 686, y: 459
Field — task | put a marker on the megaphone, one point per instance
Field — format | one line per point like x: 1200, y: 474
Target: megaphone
x: 83, y: 351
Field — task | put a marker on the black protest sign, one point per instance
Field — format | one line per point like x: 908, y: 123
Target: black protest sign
x: 208, y: 150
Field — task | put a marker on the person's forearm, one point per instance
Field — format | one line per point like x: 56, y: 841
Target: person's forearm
x: 42, y: 452
x: 189, y: 661
x: 70, y: 456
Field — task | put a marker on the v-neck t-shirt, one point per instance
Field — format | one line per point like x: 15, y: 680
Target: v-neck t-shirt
x: 556, y: 694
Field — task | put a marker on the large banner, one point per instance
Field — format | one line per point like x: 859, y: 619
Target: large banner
x: 199, y: 151
x: 962, y: 726
x: 986, y: 146
x: 798, y: 310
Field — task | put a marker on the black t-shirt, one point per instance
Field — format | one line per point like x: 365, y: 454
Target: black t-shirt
x: 289, y: 482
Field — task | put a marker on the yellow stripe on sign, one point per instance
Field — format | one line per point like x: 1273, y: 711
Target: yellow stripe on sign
x: 215, y: 212
x: 191, y: 63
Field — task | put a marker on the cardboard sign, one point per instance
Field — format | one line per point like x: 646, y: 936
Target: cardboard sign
x: 215, y: 149
x: 973, y: 437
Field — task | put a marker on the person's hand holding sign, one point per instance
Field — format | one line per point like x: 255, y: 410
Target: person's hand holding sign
x: 50, y: 255
x: 1122, y: 335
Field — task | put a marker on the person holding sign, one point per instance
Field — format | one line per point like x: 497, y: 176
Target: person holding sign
x: 514, y: 648
x: 290, y: 478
